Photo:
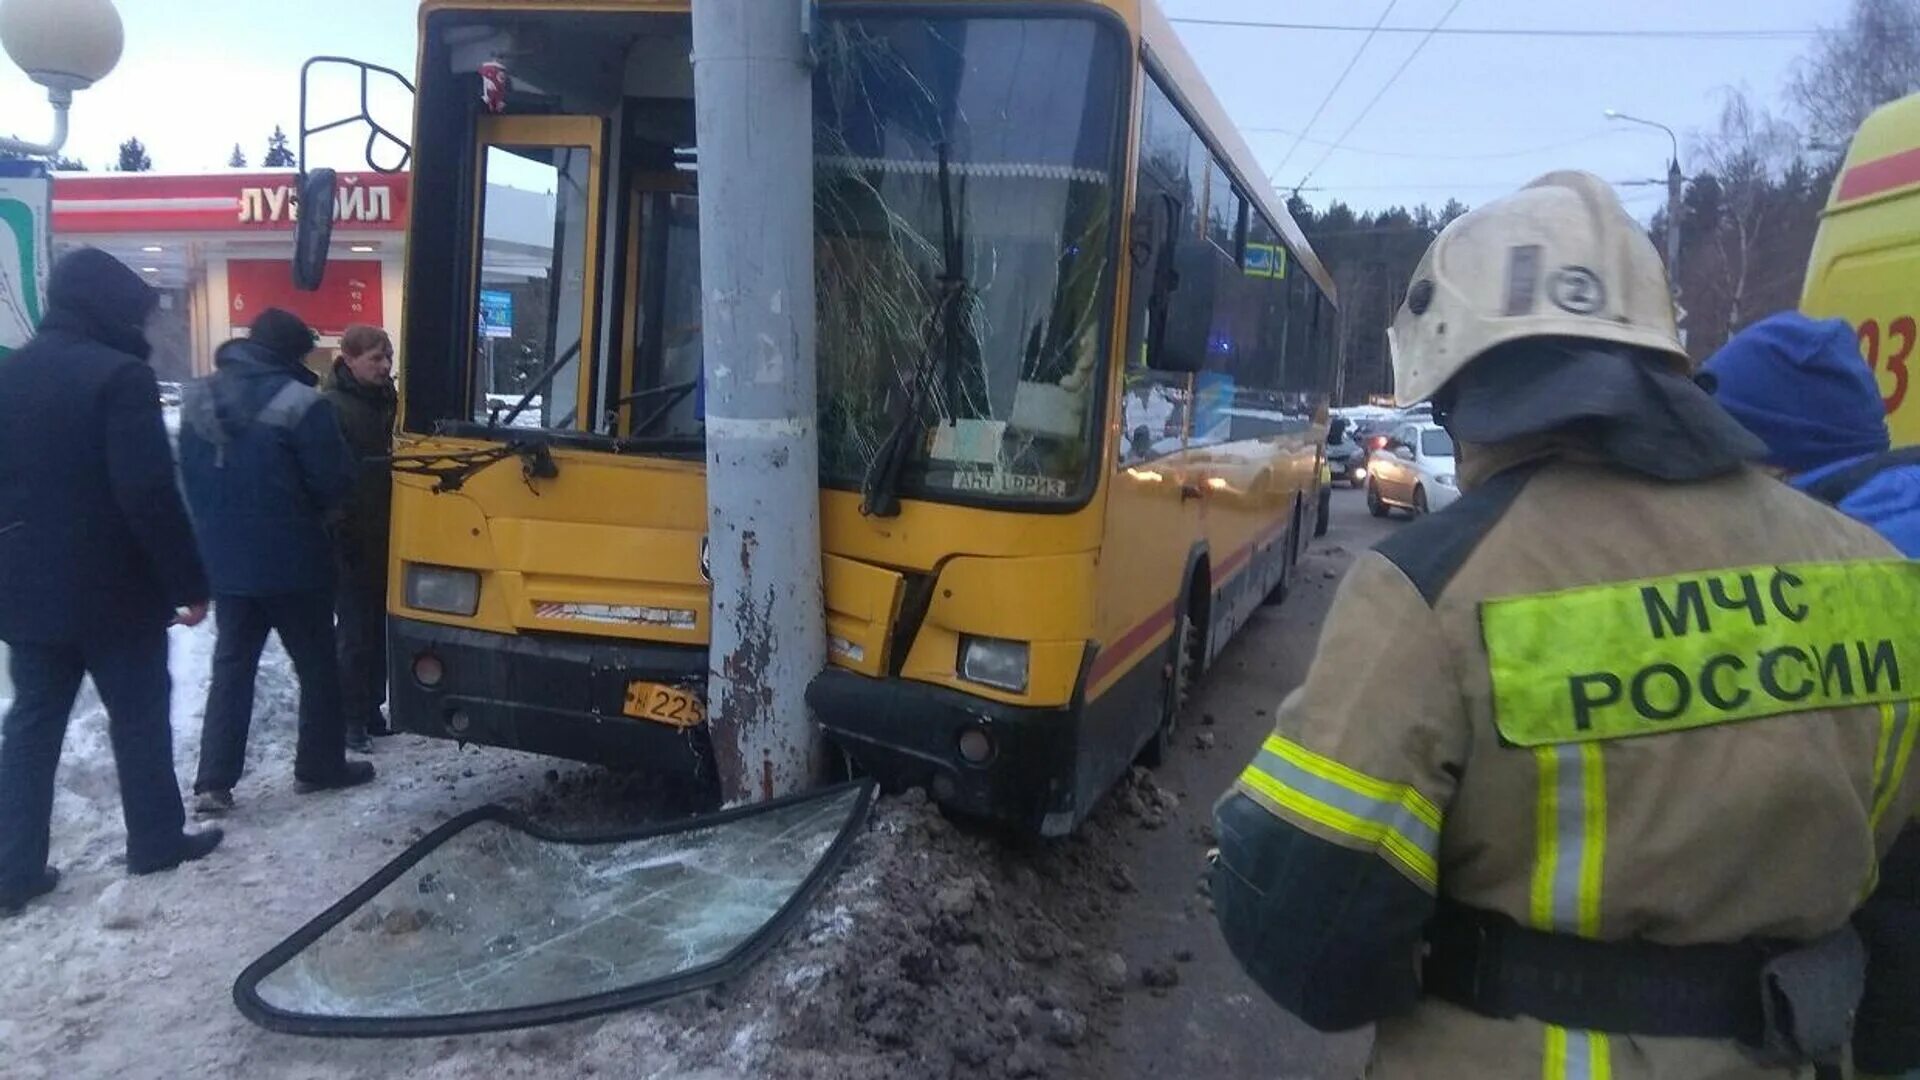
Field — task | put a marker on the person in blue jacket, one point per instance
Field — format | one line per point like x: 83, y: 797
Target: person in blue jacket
x: 1802, y: 386
x: 264, y: 462
x: 96, y: 559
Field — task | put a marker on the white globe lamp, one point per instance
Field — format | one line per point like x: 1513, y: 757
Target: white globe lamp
x: 64, y: 45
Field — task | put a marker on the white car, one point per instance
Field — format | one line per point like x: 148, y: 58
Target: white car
x: 1414, y: 471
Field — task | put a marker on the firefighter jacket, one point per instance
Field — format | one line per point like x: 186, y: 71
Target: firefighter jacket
x: 1594, y: 702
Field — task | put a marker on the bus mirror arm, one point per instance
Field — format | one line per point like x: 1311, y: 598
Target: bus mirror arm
x: 313, y: 232
x: 376, y: 132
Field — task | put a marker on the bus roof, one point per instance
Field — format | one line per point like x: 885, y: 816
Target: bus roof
x: 1885, y: 156
x: 1190, y: 87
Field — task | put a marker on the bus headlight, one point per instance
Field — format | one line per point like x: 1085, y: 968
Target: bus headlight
x: 1444, y: 480
x: 994, y: 662
x: 442, y: 589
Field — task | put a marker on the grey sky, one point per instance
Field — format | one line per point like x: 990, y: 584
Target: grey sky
x: 200, y: 75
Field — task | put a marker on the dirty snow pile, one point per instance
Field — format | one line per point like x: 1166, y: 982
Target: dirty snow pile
x: 938, y: 951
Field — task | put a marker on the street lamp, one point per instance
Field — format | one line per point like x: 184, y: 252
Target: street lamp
x: 64, y: 45
x: 1674, y: 180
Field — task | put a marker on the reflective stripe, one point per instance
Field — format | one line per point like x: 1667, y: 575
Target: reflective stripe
x: 1570, y: 842
x: 1397, y: 821
x: 1546, y: 817
x: 1593, y: 837
x: 1577, y: 1055
x: 1570, y: 839
x: 1896, y: 750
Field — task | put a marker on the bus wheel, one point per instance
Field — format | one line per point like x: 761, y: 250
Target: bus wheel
x: 1282, y: 588
x: 1325, y: 520
x: 1186, y: 662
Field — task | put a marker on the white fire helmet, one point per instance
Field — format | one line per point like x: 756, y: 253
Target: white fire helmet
x: 1560, y: 257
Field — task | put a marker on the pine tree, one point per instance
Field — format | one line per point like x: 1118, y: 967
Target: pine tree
x: 238, y: 160
x: 278, y: 155
x: 133, y: 156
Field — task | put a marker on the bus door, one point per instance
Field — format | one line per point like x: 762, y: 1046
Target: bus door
x: 661, y: 398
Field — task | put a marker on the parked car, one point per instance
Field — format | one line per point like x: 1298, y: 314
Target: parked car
x: 1412, y: 471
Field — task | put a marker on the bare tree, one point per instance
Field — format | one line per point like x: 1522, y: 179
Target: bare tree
x: 1748, y: 155
x: 1870, y: 61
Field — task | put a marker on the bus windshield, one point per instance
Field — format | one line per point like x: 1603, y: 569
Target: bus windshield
x: 966, y: 181
x: 965, y: 198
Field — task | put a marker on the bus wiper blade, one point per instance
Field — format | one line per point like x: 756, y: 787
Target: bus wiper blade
x: 494, y: 419
x: 450, y: 471
x: 880, y: 489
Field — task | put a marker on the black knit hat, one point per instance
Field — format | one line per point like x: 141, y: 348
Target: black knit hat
x: 283, y: 334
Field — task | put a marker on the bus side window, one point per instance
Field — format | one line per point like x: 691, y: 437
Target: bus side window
x: 1166, y: 225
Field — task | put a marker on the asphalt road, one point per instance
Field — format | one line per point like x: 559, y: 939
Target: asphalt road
x: 1215, y: 1022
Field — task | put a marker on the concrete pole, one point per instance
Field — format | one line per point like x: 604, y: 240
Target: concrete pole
x: 753, y: 113
x: 1674, y: 210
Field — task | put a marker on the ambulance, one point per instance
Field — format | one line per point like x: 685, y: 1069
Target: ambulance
x: 1865, y: 266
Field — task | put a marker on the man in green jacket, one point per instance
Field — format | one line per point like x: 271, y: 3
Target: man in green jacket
x: 361, y: 390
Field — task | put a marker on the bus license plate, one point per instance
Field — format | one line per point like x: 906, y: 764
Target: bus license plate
x: 664, y: 704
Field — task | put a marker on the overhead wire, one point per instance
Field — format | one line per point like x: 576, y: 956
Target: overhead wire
x: 1497, y: 156
x: 1765, y: 34
x: 1382, y: 92
x: 1337, y: 84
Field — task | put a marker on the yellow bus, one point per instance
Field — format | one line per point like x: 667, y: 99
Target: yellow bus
x: 1049, y: 274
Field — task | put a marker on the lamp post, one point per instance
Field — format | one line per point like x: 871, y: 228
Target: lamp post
x: 64, y: 45
x: 1674, y: 181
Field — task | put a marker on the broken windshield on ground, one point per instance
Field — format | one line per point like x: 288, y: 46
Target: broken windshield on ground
x: 488, y: 924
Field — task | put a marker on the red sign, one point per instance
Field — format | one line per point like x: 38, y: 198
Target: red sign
x: 349, y: 294
x: 220, y: 202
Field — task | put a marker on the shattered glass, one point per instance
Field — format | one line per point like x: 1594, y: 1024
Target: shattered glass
x: 497, y: 919
x: 965, y: 204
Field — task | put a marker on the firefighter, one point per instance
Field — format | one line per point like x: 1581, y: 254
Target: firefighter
x: 1628, y: 740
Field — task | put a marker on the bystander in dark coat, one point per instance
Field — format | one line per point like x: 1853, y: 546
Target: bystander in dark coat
x: 360, y: 388
x: 96, y: 560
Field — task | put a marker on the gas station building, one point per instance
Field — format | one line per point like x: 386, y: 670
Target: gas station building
x: 219, y: 246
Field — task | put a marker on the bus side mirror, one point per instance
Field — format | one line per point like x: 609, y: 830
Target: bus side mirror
x: 313, y: 232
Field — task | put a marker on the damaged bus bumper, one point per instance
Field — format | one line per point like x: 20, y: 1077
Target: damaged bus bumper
x: 1019, y: 767
x: 544, y: 694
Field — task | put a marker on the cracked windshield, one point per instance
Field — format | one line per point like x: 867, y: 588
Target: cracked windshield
x: 964, y: 205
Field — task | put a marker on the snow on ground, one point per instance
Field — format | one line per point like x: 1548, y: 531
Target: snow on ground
x: 129, y: 977
x: 937, y: 953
